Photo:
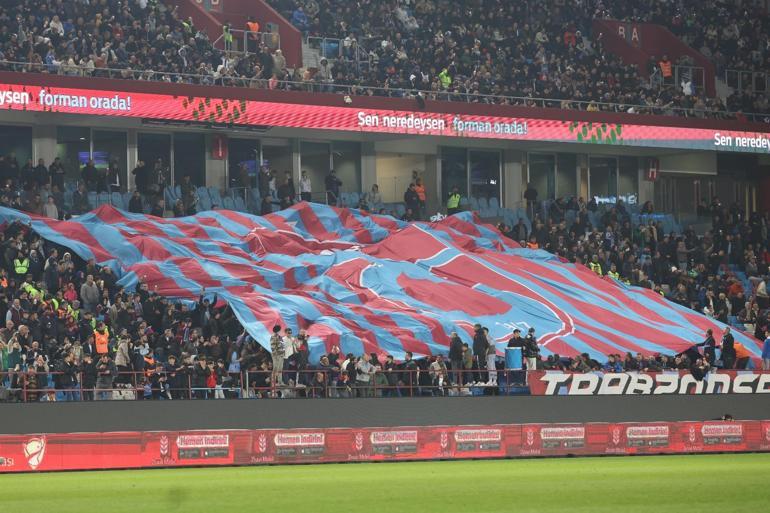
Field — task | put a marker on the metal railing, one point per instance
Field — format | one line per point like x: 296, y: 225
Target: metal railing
x: 232, y: 80
x: 332, y: 48
x: 246, y: 41
x: 182, y: 384
x: 750, y: 81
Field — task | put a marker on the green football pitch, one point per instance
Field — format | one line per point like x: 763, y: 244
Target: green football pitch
x: 725, y: 483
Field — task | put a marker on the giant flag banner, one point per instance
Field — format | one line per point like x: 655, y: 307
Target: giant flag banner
x: 372, y: 283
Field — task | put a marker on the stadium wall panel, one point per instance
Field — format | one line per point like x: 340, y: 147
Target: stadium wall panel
x: 149, y: 449
x: 110, y: 416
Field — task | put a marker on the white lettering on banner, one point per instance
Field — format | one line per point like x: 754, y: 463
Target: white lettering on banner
x: 666, y: 384
x: 563, y: 433
x: 735, y: 429
x: 13, y: 98
x: 763, y: 385
x: 299, y: 439
x: 478, y: 435
x: 584, y: 384
x: 758, y: 142
x: 486, y: 127
x: 742, y: 383
x: 114, y: 103
x: 641, y: 383
x: 408, y: 121
x: 553, y: 380
x: 613, y: 384
x: 393, y: 437
x: 637, y: 432
x: 202, y: 441
x: 723, y: 380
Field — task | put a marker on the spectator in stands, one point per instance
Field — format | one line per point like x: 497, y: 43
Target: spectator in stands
x: 189, y: 195
x: 412, y: 201
x: 142, y: 177
x: 299, y: 19
x: 90, y: 175
x: 305, y: 187
x: 766, y: 351
x: 333, y: 185
x: 287, y: 192
x: 135, y: 204
x: 530, y: 195
x: 50, y: 209
x: 159, y: 209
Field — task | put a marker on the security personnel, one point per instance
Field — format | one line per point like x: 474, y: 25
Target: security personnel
x: 21, y: 265
x: 531, y: 349
x: 453, y: 203
x: 728, y: 349
x: 613, y: 272
x: 227, y: 36
x: 595, y: 266
x: 102, y: 339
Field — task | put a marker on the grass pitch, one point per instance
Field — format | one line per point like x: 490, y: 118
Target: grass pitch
x: 726, y: 483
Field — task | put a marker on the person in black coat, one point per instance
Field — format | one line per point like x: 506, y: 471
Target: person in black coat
x: 456, y: 357
x: 728, y: 349
x: 412, y: 201
x: 89, y: 375
x: 709, y: 347
x: 480, y: 346
x: 200, y: 374
x: 135, y: 204
x: 66, y: 378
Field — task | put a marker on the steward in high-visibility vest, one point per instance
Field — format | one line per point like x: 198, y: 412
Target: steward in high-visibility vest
x: 102, y: 339
x: 31, y: 291
x: 595, y: 266
x: 21, y: 266
x: 613, y: 272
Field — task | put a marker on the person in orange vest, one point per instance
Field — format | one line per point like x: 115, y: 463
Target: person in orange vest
x: 532, y: 244
x: 252, y: 27
x: 742, y: 356
x: 102, y: 338
x: 666, y: 70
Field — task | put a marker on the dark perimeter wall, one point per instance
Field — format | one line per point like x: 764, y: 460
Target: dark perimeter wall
x: 328, y: 413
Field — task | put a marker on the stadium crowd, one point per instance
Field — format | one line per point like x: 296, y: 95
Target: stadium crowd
x: 72, y: 331
x: 494, y: 51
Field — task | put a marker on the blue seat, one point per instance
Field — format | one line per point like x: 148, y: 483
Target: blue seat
x: 463, y: 201
x: 204, y: 202
x: 216, y: 197
x: 240, y: 205
x: 177, y: 191
x: 93, y: 199
x: 354, y: 197
x: 68, y: 200
x: 202, y: 191
x: 400, y: 209
x: 344, y: 198
x: 494, y: 205
x: 474, y: 203
x: 168, y: 195
x: 483, y: 203
x: 104, y: 198
x: 117, y: 201
x: 228, y: 203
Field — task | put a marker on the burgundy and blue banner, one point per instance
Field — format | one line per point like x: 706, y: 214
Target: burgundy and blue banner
x: 371, y: 283
x: 35, y: 98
